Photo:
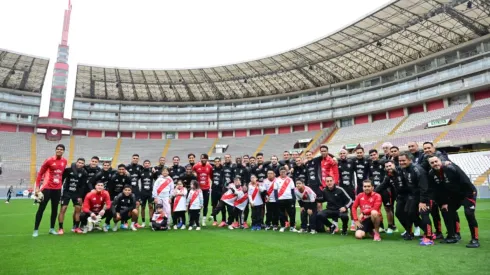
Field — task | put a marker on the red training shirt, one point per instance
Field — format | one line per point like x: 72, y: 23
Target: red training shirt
x: 367, y: 203
x: 204, y: 174
x: 95, y: 201
x: 52, y: 172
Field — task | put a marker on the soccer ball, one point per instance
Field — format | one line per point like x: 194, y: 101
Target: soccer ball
x: 39, y: 197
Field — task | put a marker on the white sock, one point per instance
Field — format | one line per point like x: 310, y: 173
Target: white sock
x: 132, y: 223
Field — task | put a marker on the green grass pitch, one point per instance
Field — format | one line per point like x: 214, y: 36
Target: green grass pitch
x: 223, y: 251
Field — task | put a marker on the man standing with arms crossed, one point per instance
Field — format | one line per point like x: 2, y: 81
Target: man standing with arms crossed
x: 52, y: 173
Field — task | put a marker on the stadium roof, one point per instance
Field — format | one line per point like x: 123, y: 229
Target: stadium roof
x: 397, y: 33
x: 22, y: 72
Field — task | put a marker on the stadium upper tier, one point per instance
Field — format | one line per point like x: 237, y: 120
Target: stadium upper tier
x: 22, y: 72
x: 395, y: 34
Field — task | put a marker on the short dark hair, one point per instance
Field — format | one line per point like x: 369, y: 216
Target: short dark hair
x: 282, y: 168
x: 259, y: 154
x: 80, y: 159
x: 188, y: 166
x: 286, y: 151
x: 373, y: 151
x: 324, y: 146
x: 428, y: 142
x: 127, y: 186
x: 96, y: 157
x: 136, y: 155
x: 390, y: 161
x: 204, y: 156
x: 329, y: 176
x: 159, y: 206
x: 60, y: 146
x: 367, y: 181
x: 176, y: 157
x: 191, y: 154
x: 217, y: 158
x: 246, y: 156
x: 407, y: 155
x: 252, y: 157
x: 147, y: 160
x: 396, y: 147
x: 359, y: 147
x: 308, y: 151
x: 300, y: 181
x: 162, y: 157
x: 121, y: 165
x: 106, y: 161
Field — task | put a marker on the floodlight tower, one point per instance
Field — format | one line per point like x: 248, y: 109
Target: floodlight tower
x: 54, y: 125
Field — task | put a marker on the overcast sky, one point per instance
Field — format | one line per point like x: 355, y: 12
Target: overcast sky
x: 163, y: 34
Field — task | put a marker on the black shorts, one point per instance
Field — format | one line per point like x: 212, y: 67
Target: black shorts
x: 137, y: 196
x: 319, y: 194
x: 387, y: 198
x: 65, y: 200
x: 367, y: 225
x: 124, y: 215
x: 145, y: 198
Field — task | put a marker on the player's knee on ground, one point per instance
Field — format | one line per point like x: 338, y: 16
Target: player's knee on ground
x: 360, y: 234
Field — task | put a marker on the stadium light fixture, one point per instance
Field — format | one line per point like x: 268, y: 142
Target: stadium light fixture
x: 244, y: 81
x: 469, y: 5
x: 379, y: 44
x: 311, y: 67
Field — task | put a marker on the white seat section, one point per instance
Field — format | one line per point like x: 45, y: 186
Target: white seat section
x: 182, y: 147
x: 86, y: 147
x: 277, y: 144
x: 403, y: 141
x: 15, y: 153
x: 473, y: 164
x: 147, y: 149
x: 360, y: 132
x: 240, y: 146
x: 464, y: 134
x: 419, y: 121
x: 46, y: 148
x: 480, y: 109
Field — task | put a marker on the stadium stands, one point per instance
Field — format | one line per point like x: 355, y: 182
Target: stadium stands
x: 147, y: 149
x: 360, y: 132
x: 468, y: 135
x: 473, y: 164
x: 46, y: 148
x: 15, y: 153
x: 89, y: 147
x: 480, y: 109
x: 279, y: 143
x: 419, y: 121
x: 22, y: 72
x: 239, y: 146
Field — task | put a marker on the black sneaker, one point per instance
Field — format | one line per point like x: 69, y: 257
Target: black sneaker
x: 344, y: 233
x: 449, y: 240
x: 333, y: 227
x: 473, y: 244
x: 458, y: 236
x: 439, y: 236
x: 408, y: 237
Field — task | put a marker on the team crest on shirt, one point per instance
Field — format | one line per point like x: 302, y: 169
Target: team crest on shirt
x: 79, y: 175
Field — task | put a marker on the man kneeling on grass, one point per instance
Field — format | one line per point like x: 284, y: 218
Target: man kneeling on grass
x: 124, y: 208
x: 96, y: 206
x: 370, y: 218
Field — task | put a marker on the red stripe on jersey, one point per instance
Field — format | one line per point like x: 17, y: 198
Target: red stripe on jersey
x: 176, y: 202
x: 241, y: 200
x: 227, y: 196
x: 255, y: 192
x: 284, y: 186
x: 193, y: 198
x: 271, y: 188
x: 163, y: 186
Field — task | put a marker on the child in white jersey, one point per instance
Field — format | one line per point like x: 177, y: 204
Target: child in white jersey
x: 240, y: 202
x: 307, y: 201
x: 194, y: 205
x: 227, y: 200
x: 159, y: 220
x: 255, y: 189
x: 180, y: 205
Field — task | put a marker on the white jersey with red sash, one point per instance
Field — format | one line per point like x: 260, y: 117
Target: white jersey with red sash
x: 180, y: 201
x: 307, y: 195
x: 269, y: 187
x: 254, y: 194
x: 162, y: 188
x: 229, y: 196
x: 241, y: 199
x: 158, y: 218
x: 284, y: 187
x: 195, y: 199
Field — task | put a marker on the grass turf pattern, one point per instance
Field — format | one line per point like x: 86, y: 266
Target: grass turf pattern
x: 223, y: 251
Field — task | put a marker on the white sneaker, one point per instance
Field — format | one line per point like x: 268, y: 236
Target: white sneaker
x: 133, y: 228
x: 143, y: 225
x: 190, y: 228
x: 302, y: 231
x: 293, y: 229
x: 35, y: 233
x: 85, y: 230
x: 183, y: 227
x: 313, y: 232
x: 230, y: 227
x: 198, y: 228
x: 282, y: 229
x: 114, y: 229
x: 53, y: 232
x: 105, y: 228
x: 203, y: 221
x: 175, y: 227
x: 389, y: 231
x: 403, y: 234
x: 381, y: 230
x: 6, y: 202
x: 416, y: 232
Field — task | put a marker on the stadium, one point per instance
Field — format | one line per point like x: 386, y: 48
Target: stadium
x: 412, y: 71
